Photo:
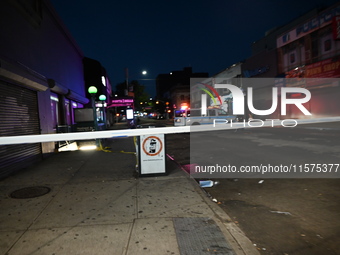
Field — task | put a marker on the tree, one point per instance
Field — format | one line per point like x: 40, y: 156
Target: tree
x: 138, y: 89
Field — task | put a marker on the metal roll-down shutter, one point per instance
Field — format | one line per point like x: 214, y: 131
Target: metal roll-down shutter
x: 18, y: 116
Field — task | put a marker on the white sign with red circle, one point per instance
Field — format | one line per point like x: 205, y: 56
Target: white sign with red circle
x: 152, y: 155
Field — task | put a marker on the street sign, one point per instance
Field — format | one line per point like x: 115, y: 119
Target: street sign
x: 152, y: 155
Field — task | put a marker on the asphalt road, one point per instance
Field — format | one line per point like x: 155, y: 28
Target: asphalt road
x: 281, y: 213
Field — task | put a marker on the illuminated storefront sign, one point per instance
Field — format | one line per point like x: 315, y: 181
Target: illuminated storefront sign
x: 311, y: 25
x: 121, y: 102
x: 329, y: 68
x: 323, y: 69
x: 326, y: 69
x: 254, y: 72
x: 336, y: 28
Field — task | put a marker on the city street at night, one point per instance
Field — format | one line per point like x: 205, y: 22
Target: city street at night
x: 170, y: 127
x: 279, y: 215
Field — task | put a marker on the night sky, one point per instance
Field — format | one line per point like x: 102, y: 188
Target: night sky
x: 163, y: 36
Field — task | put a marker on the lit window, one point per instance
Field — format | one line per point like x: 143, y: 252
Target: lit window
x: 104, y: 81
x: 54, y: 98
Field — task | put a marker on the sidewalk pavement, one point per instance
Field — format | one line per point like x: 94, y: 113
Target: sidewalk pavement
x: 97, y: 206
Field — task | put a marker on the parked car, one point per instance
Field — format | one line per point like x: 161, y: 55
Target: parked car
x: 156, y: 115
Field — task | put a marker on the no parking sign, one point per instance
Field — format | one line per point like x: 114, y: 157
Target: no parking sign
x: 152, y: 155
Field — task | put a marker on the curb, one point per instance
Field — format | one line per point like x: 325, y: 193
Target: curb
x: 237, y: 239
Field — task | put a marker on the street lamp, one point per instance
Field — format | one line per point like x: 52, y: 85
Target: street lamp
x: 93, y: 91
x: 102, y: 98
x: 144, y: 72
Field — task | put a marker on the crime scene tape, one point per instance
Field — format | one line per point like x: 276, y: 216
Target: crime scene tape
x: 41, y: 138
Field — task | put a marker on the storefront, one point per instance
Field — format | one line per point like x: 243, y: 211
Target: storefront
x: 19, y: 116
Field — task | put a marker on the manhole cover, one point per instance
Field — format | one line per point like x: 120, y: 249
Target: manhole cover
x: 30, y: 192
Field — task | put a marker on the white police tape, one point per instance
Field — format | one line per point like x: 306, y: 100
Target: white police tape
x: 7, y: 140
x: 90, y: 135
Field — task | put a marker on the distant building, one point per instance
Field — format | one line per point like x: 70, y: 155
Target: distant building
x: 175, y: 86
x: 230, y: 75
x: 307, y: 47
x: 180, y: 96
x: 311, y: 50
x: 41, y: 79
x: 95, y: 75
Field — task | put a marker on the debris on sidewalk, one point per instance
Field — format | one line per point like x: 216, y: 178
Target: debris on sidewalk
x: 260, y: 182
x: 207, y: 184
x: 285, y: 213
